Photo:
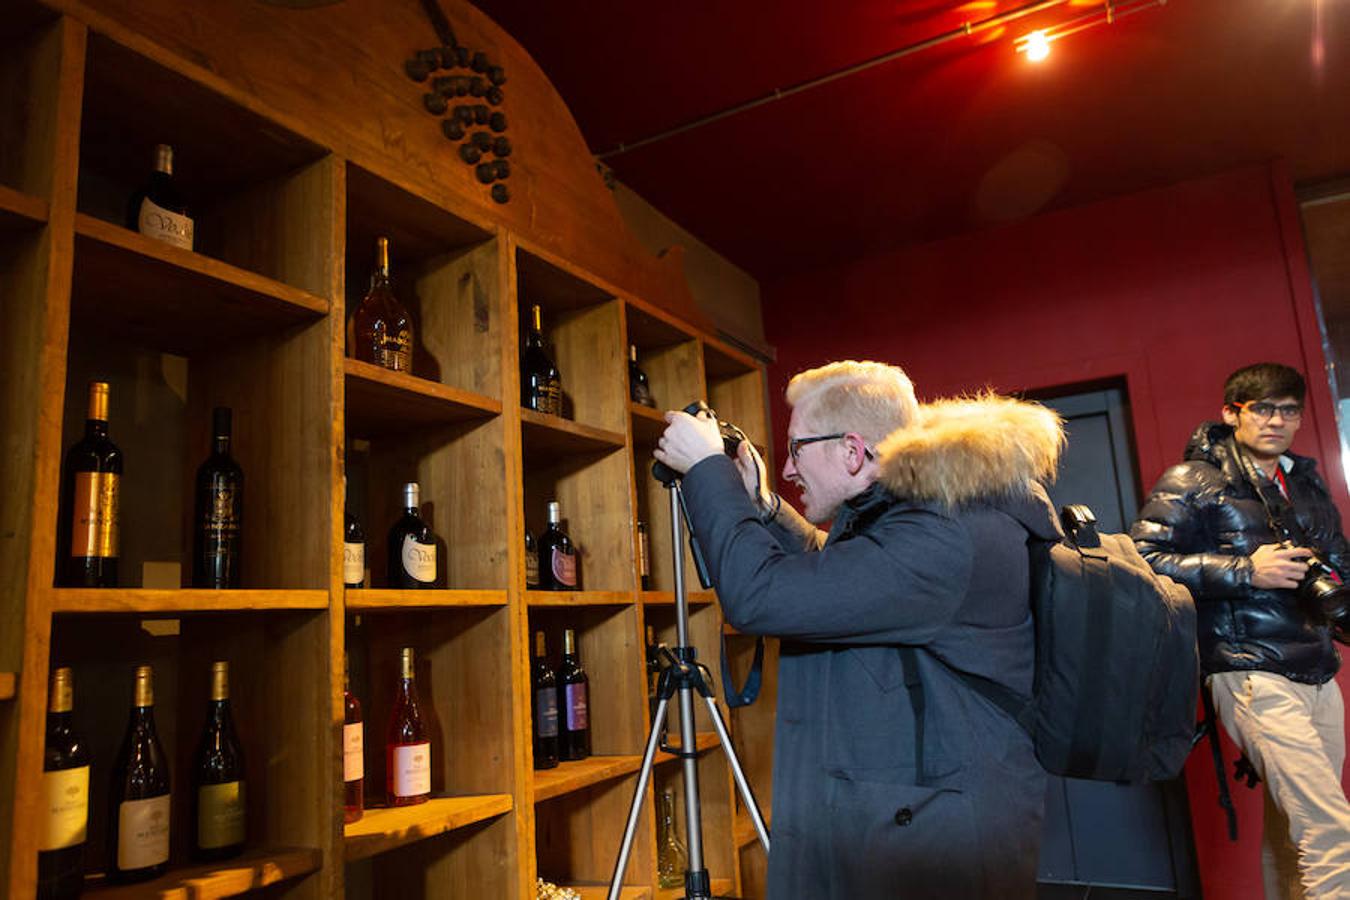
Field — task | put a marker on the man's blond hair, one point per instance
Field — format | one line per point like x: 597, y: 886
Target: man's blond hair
x: 870, y: 398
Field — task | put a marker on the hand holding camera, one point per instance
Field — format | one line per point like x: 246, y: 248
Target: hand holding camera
x: 1279, y: 566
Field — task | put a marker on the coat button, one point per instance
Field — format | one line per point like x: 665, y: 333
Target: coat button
x: 903, y: 816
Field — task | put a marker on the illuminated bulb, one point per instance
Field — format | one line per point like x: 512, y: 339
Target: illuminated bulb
x: 1038, y: 46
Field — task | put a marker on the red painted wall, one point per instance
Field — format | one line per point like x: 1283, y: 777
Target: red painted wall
x: 1170, y: 289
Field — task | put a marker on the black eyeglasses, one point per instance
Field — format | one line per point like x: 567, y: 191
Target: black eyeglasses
x: 795, y: 445
x: 1261, y: 410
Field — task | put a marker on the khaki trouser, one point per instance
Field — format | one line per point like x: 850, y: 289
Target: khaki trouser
x: 1294, y: 735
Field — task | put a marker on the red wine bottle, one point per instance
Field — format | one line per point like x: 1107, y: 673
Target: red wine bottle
x: 157, y: 211
x: 138, y: 826
x: 65, y: 798
x: 557, y: 558
x: 639, y: 388
x: 218, y: 820
x: 531, y: 561
x: 540, y: 383
x: 353, y: 754
x: 574, y: 733
x: 412, y: 546
x: 218, y: 535
x: 353, y: 552
x: 544, y: 706
x: 407, y: 746
x: 91, y: 488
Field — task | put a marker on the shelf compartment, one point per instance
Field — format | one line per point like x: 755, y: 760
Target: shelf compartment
x: 380, y: 830
x: 736, y: 389
x: 19, y: 210
x: 578, y: 598
x: 744, y: 831
x: 255, y: 869
x: 185, y: 600
x: 551, y: 434
x: 7, y: 684
x: 667, y: 598
x: 379, y: 401
x: 569, y: 777
x: 601, y: 891
x: 173, y: 299
x: 648, y: 424
x: 371, y: 599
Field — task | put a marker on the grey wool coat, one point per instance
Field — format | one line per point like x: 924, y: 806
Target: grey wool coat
x: 933, y: 556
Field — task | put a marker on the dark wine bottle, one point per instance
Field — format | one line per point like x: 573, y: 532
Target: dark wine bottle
x: 412, y: 546
x: 65, y: 798
x: 353, y: 753
x: 531, y: 561
x: 574, y: 732
x: 218, y: 819
x: 92, y: 487
x: 544, y: 706
x: 639, y: 388
x: 218, y: 536
x: 138, y: 827
x: 157, y: 211
x: 654, y: 679
x: 353, y: 552
x: 540, y: 382
x: 407, y: 745
x: 557, y: 558
x: 381, y: 331
x: 644, y: 557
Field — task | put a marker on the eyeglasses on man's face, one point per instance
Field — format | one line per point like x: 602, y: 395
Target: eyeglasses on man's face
x: 1262, y: 410
x: 795, y: 445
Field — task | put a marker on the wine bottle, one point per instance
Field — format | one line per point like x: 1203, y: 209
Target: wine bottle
x: 381, y: 331
x: 557, y: 558
x: 639, y: 388
x: 671, y: 858
x: 353, y: 552
x: 65, y: 797
x: 157, y: 211
x: 218, y: 778
x: 412, y: 546
x: 353, y: 753
x: 644, y: 557
x: 544, y: 706
x: 138, y: 827
x: 540, y: 382
x: 574, y: 733
x: 654, y: 679
x: 531, y: 561
x: 92, y: 490
x: 218, y: 535
x: 407, y: 746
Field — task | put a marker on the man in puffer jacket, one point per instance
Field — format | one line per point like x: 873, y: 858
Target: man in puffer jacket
x: 1266, y: 652
x: 876, y: 796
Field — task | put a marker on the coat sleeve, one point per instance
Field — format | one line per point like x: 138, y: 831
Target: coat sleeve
x: 793, y: 531
x: 898, y: 582
x: 1173, y: 535
x: 1336, y: 549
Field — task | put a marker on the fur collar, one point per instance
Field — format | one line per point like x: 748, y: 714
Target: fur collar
x: 971, y: 448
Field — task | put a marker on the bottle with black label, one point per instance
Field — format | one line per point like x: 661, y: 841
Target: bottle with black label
x: 92, y: 488
x: 353, y: 550
x: 157, y: 211
x: 644, y: 557
x: 412, y: 546
x: 574, y: 731
x: 218, y: 778
x: 557, y: 558
x: 544, y: 706
x: 138, y: 823
x: 540, y: 382
x: 531, y: 561
x: 639, y: 388
x: 65, y: 797
x: 218, y: 536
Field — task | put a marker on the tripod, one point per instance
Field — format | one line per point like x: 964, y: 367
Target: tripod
x: 684, y: 676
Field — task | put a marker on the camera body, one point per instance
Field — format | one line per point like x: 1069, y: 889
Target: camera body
x: 1328, y: 596
x: 731, y: 440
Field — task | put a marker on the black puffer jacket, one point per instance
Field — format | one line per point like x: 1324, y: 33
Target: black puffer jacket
x: 1200, y: 526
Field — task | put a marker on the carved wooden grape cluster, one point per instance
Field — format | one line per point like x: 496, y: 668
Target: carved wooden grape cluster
x: 469, y: 98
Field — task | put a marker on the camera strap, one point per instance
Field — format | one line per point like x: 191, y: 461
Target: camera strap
x: 1279, y: 509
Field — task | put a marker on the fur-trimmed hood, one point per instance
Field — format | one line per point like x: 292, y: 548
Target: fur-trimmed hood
x: 964, y: 449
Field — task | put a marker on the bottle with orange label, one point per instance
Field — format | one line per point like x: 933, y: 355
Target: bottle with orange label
x: 92, y: 487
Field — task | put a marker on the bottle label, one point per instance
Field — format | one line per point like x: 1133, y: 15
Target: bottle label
x: 65, y: 797
x: 546, y: 712
x: 220, y: 529
x: 419, y: 560
x: 159, y: 223
x: 353, y: 752
x: 220, y: 815
x: 412, y: 769
x: 94, y: 530
x: 532, y: 568
x: 548, y: 398
x: 564, y: 568
x: 578, y: 710
x: 143, y: 833
x: 353, y: 563
x: 394, y: 351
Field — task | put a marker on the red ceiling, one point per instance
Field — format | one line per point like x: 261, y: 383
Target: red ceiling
x: 963, y: 136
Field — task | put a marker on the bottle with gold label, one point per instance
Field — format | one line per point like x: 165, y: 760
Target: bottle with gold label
x: 540, y: 382
x: 381, y: 331
x: 218, y: 778
x: 92, y: 484
x: 65, y: 798
x: 138, y: 822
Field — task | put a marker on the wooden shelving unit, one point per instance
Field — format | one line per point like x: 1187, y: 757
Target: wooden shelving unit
x: 288, y: 191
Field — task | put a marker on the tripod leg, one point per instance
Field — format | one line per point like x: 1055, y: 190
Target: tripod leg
x: 644, y: 775
x: 747, y: 795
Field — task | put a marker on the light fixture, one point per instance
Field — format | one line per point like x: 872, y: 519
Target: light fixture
x: 1036, y: 45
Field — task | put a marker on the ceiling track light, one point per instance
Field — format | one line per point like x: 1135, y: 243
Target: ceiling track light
x: 1036, y: 45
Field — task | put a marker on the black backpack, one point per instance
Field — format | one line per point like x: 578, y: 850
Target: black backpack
x: 1117, y: 668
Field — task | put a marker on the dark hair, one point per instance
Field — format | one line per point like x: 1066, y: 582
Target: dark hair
x: 1263, y: 380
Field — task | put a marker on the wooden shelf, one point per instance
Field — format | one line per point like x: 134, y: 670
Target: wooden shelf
x: 667, y: 598
x: 720, y: 888
x: 379, y: 830
x: 601, y: 891
x: 255, y: 869
x: 174, y: 299
x: 185, y: 600
x: 385, y: 598
x: 7, y: 683
x: 20, y: 210
x: 578, y: 598
x: 573, y: 776
x: 561, y: 437
x: 648, y: 424
x: 380, y: 401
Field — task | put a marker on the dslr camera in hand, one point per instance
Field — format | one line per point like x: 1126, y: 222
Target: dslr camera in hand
x: 731, y: 439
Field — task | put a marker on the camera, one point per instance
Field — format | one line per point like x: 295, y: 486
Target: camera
x: 1329, y: 597
x: 731, y: 440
